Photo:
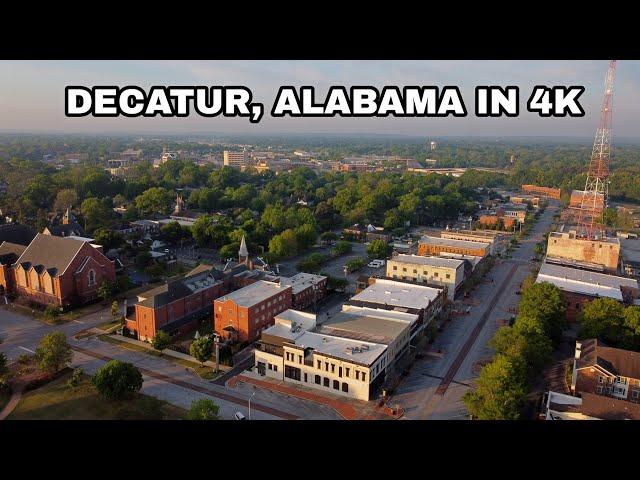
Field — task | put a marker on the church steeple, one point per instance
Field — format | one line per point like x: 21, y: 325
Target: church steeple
x: 68, y: 217
x: 179, y: 208
x: 243, y: 252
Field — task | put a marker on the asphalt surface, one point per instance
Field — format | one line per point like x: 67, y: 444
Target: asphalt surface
x: 434, y: 387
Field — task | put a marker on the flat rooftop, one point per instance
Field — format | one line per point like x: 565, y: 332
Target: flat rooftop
x: 301, y: 281
x: 398, y: 294
x: 630, y: 249
x: 290, y: 324
x: 365, y: 326
x: 254, y: 293
x: 366, y: 353
x: 449, y: 242
x: 585, y: 282
x: 572, y: 236
x: 428, y: 261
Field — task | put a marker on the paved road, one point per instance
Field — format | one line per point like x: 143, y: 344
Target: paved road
x: 435, y: 386
x: 21, y: 334
x: 162, y: 378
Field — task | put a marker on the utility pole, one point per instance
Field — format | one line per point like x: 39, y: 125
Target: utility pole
x: 250, y: 404
x: 216, y: 342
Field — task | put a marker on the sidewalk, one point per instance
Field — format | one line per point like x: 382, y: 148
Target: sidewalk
x: 346, y: 408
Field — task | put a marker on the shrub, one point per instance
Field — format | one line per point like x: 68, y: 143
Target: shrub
x: 75, y: 378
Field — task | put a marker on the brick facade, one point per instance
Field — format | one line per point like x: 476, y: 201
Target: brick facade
x: 245, y: 322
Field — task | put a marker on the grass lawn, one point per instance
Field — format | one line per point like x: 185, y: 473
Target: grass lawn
x: 57, y: 401
x: 205, y: 372
x: 108, y: 325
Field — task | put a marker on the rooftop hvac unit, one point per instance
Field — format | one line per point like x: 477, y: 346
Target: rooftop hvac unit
x: 364, y: 348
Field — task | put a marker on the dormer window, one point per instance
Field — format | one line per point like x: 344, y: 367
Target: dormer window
x: 92, y: 278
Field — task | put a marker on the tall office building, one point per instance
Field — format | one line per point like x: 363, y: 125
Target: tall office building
x: 235, y: 159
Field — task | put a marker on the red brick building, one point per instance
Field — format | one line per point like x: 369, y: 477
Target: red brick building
x: 57, y: 270
x: 610, y: 372
x: 176, y: 307
x: 307, y: 289
x: 245, y: 313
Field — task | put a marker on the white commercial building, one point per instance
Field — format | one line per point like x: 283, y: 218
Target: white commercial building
x: 290, y: 352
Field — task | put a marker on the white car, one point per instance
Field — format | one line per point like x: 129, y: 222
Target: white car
x: 376, y: 263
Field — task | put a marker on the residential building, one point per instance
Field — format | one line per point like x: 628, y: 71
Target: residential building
x: 605, y: 371
x: 176, y: 307
x: 582, y: 286
x: 235, y: 159
x: 560, y: 406
x: 306, y: 289
x: 387, y: 294
x: 447, y: 272
x: 543, y: 191
x: 435, y: 246
x: 603, y: 251
x: 245, y: 313
x: 60, y: 271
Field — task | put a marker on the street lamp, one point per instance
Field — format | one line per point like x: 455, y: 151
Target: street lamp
x: 250, y: 404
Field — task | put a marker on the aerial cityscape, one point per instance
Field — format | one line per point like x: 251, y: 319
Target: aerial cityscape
x: 441, y: 269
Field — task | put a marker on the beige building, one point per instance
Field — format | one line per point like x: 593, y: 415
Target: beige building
x: 447, y: 272
x: 566, y: 245
x: 235, y: 159
x: 496, y: 240
x: 290, y: 352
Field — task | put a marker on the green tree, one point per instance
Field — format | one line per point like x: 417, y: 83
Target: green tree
x: 328, y: 237
x: 143, y: 259
x: 75, y: 378
x: 53, y: 352
x: 153, y: 201
x: 96, y: 213
x: 342, y: 247
x: 107, y: 238
x: 105, y: 290
x: 602, y: 318
x: 64, y: 199
x: 161, y: 340
x: 201, y: 349
x: 117, y: 380
x: 283, y: 245
x: 500, y: 390
x: 534, y: 348
x: 306, y: 236
x: 378, y: 249
x: 545, y: 302
x: 204, y: 409
x: 114, y: 309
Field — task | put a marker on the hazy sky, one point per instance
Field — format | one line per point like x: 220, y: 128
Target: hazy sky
x: 32, y: 94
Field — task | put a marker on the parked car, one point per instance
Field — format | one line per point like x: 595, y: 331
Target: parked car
x: 239, y: 416
x: 376, y: 263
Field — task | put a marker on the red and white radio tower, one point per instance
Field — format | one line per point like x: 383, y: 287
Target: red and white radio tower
x: 595, y: 197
